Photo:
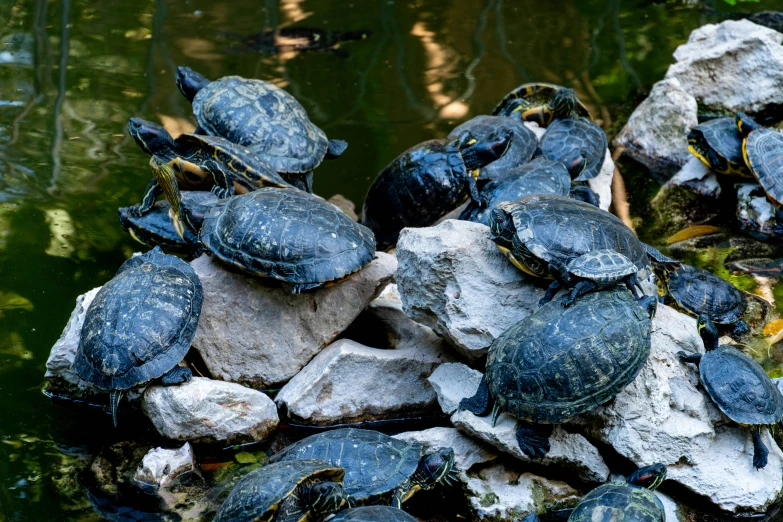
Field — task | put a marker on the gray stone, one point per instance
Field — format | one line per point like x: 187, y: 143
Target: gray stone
x: 467, y: 451
x: 755, y: 212
x: 204, y: 410
x: 453, y: 382
x: 161, y: 466
x: 696, y: 176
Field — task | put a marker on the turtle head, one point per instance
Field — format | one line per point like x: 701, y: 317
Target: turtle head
x: 325, y: 498
x: 501, y: 227
x: 649, y: 304
x: 190, y: 82
x: 563, y: 103
x: 152, y: 138
x: 708, y: 332
x: 745, y: 124
x: 480, y: 153
x: 649, y: 477
x: 435, y: 468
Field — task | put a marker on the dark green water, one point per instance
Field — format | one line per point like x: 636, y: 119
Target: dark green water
x: 73, y: 72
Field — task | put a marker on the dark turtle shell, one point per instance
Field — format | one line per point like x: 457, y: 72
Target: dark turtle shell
x: 619, y: 501
x: 264, y: 118
x: 605, y: 267
x: 719, y: 146
x: 373, y: 514
x: 375, y: 464
x: 259, y: 494
x: 141, y: 323
x: 530, y: 97
x: 696, y: 291
x: 763, y: 151
x: 540, y: 176
x: 740, y: 387
x: 523, y: 143
x: 287, y: 234
x: 561, y: 362
x: 565, y: 136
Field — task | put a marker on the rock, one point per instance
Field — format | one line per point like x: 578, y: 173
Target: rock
x: 467, y: 451
x: 656, y: 134
x: 204, y: 410
x: 344, y: 204
x: 452, y: 382
x: 349, y: 382
x: 602, y: 183
x: 696, y: 176
x: 260, y: 335
x: 664, y: 416
x: 160, y: 466
x: 533, y: 126
x: 671, y: 511
x: 453, y: 278
x: 755, y: 213
x: 732, y: 66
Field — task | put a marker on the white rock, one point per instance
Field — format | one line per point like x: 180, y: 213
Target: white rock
x: 533, y: 126
x: 671, y: 510
x: 696, y: 176
x: 259, y: 335
x: 453, y: 382
x: 733, y: 66
x: 204, y: 410
x: 467, y: 451
x: 754, y: 211
x: 454, y: 279
x: 602, y: 183
x: 160, y: 466
x: 349, y: 382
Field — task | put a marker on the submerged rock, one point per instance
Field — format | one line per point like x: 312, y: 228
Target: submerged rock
x: 755, y: 213
x: 468, y: 452
x: 161, y: 466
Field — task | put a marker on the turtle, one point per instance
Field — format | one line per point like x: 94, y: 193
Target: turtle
x: 738, y: 386
x: 567, y: 135
x: 140, y: 326
x: 378, y: 469
x: 629, y: 501
x: 762, y: 149
x: 260, y: 116
x: 281, y: 233
x: 718, y: 144
x: 523, y: 143
x: 201, y: 162
x: 581, y: 191
x: 302, y: 39
x: 372, y: 514
x: 560, y: 362
x: 427, y: 181
x: 541, y: 103
x: 540, y: 176
x: 291, y: 491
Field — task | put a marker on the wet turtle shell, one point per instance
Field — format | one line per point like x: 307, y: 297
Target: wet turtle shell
x: 141, y: 323
x: 540, y: 176
x: 533, y: 102
x: 719, y: 146
x: 605, y: 267
x: 696, y: 291
x: 565, y: 136
x: 619, y: 501
x: 258, y: 495
x: 559, y: 362
x: 373, y: 514
x: 763, y: 152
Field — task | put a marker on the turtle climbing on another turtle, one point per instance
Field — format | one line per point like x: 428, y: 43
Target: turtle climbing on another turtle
x: 541, y: 103
x: 373, y: 514
x: 140, y: 326
x: 718, y: 144
x: 762, y: 149
x: 566, y: 136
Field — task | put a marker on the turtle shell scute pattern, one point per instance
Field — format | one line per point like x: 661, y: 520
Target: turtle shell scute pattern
x: 619, y: 501
x: 721, y: 135
x: 764, y: 154
x: 534, y: 95
x: 602, y: 266
x: 576, y: 134
x: 698, y: 291
x: 373, y: 514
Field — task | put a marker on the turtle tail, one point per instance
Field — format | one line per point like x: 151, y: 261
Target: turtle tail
x: 114, y: 403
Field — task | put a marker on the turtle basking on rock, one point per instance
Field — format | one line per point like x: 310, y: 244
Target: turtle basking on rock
x: 718, y: 144
x: 566, y: 136
x: 762, y: 149
x: 541, y: 103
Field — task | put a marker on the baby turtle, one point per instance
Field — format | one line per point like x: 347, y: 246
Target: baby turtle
x: 140, y: 325
x: 629, y: 501
x: 541, y: 103
x: 762, y: 149
x: 738, y: 386
x: 718, y: 144
x: 559, y: 363
x: 294, y: 491
x: 566, y: 136
x: 373, y: 514
x: 378, y: 469
x: 428, y: 181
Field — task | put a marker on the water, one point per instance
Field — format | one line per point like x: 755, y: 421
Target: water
x: 72, y: 73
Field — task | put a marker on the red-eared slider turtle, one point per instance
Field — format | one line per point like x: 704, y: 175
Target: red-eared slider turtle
x: 373, y: 514
x: 140, y: 325
x: 718, y: 144
x: 293, y: 491
x: 201, y: 163
x: 558, y: 363
x: 378, y: 469
x: 523, y: 143
x: 629, y: 501
x: 427, y: 181
x: 566, y: 136
x: 738, y: 386
x: 301, y: 39
x: 762, y: 149
x: 541, y: 103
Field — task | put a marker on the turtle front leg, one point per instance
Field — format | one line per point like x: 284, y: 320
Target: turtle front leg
x: 551, y: 291
x: 581, y: 288
x: 290, y: 510
x: 694, y: 358
x: 533, y: 439
x: 474, y: 192
x: 224, y: 179
x: 335, y: 149
x: 176, y: 375
x: 633, y: 284
x: 480, y: 403
x: 401, y: 494
x: 760, y: 451
x: 151, y: 194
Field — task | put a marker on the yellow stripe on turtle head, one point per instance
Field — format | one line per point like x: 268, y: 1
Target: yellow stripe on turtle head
x: 699, y: 155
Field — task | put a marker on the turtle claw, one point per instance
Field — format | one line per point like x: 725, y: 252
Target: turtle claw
x: 136, y: 210
x: 223, y: 193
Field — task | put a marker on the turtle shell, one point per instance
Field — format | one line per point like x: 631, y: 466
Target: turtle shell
x: 258, y: 495
x: 576, y: 134
x: 523, y: 142
x: 696, y: 291
x: 373, y: 514
x: 619, y: 501
x: 375, y: 464
x: 605, y: 267
x: 531, y: 96
x: 141, y: 323
x: 264, y: 118
x: 763, y: 150
x: 560, y: 362
x: 740, y: 387
x: 540, y: 176
x: 718, y: 145
x: 287, y: 234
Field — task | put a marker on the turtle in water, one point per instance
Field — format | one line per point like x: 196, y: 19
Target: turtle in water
x: 718, y: 144
x: 378, y: 469
x: 762, y: 149
x: 373, y: 514
x: 293, y: 491
x: 262, y: 117
x: 738, y: 386
x: 302, y: 39
x: 541, y: 103
x: 558, y: 363
x: 523, y: 143
x: 629, y: 501
x: 200, y: 163
x: 140, y: 325
x: 569, y: 135
x: 428, y: 181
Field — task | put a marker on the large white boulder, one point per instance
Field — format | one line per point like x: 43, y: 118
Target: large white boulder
x: 160, y: 466
x: 468, y: 452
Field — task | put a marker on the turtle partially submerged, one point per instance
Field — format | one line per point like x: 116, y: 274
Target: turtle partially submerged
x: 140, y: 325
x: 738, y: 386
x: 629, y: 501
x: 569, y: 135
x: 428, y: 181
x: 373, y: 514
x: 541, y: 103
x: 378, y: 469
x: 559, y: 363
x: 762, y: 149
x: 294, y: 491
x: 718, y: 144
